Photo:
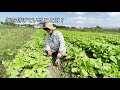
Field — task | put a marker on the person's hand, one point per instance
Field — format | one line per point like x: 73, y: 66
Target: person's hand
x: 49, y: 53
x: 59, y: 55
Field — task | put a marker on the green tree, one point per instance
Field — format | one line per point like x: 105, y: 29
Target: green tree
x: 98, y: 27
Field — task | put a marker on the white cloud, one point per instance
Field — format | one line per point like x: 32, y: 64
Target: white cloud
x: 103, y: 19
x: 69, y: 12
x: 113, y: 14
x: 77, y: 13
x: 82, y: 21
x: 78, y: 18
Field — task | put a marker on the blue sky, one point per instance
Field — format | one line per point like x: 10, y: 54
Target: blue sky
x: 71, y: 19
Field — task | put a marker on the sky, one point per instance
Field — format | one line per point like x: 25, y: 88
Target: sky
x: 71, y: 19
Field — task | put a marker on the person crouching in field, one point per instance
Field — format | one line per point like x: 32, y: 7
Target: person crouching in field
x: 55, y: 44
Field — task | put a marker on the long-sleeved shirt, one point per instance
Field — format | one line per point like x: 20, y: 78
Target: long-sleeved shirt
x: 55, y: 42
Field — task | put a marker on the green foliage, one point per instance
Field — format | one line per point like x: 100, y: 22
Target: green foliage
x: 105, y: 61
x: 89, y: 55
x: 30, y: 61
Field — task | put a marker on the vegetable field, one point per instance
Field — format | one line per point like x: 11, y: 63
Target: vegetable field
x: 89, y: 55
x: 92, y: 55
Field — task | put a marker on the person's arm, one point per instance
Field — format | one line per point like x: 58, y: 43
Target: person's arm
x: 62, y: 42
x: 47, y: 45
x: 48, y: 48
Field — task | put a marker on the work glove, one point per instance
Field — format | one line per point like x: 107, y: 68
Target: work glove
x: 58, y: 62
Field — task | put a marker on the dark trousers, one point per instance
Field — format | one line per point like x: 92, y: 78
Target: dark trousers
x: 54, y: 55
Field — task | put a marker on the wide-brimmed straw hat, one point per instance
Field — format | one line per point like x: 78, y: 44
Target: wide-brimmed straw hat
x: 48, y: 25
